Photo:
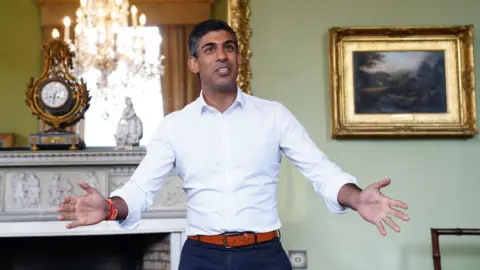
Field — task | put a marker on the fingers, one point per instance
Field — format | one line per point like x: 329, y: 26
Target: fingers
x: 387, y: 220
x: 399, y: 214
x: 67, y: 208
x: 69, y: 216
x: 391, y: 224
x: 68, y: 204
x: 70, y: 200
x: 380, y: 228
x: 381, y: 184
x: 73, y: 224
x: 86, y: 187
x: 399, y: 204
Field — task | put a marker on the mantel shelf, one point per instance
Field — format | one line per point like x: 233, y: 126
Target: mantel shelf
x: 92, y: 156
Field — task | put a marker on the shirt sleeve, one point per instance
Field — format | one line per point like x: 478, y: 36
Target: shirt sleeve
x: 150, y: 175
x: 325, y: 176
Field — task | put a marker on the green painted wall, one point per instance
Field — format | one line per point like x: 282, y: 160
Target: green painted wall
x: 20, y: 59
x: 219, y: 10
x: 438, y: 178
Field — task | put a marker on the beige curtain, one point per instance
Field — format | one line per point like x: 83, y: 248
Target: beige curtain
x: 179, y: 85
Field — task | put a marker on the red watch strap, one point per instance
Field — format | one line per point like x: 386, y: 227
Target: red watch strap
x: 112, y: 211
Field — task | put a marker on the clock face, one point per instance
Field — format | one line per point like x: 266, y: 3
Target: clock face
x: 54, y: 94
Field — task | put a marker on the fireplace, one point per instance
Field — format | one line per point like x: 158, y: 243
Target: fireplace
x: 148, y: 251
x: 49, y: 246
x: 33, y: 183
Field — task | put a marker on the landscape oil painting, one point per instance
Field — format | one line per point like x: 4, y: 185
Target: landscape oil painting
x: 402, y: 81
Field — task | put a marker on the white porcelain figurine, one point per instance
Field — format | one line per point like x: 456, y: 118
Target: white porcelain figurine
x: 129, y: 128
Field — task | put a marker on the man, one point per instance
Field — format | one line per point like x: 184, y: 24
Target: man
x: 226, y: 146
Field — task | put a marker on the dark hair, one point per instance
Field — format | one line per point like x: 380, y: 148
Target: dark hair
x: 204, y: 28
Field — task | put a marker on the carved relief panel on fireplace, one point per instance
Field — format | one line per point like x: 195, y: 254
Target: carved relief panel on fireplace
x: 44, y: 188
x: 29, y: 189
x: 24, y: 191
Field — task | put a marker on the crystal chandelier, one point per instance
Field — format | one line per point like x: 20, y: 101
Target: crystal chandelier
x: 104, y: 41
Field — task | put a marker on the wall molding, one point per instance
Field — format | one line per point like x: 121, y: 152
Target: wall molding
x: 158, y: 12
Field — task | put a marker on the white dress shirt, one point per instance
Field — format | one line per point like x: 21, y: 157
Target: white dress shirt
x: 229, y: 163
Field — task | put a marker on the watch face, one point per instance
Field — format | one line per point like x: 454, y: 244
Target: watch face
x: 54, y: 94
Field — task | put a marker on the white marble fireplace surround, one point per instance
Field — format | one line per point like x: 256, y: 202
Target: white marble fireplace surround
x: 32, y: 184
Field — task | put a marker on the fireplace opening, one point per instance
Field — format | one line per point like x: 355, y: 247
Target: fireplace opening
x: 148, y: 251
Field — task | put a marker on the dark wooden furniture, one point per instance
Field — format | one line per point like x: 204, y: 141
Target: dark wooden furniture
x: 435, y: 232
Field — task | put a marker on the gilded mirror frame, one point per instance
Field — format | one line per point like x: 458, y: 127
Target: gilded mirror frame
x: 239, y: 19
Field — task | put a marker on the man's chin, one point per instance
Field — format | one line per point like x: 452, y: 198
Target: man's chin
x: 226, y: 85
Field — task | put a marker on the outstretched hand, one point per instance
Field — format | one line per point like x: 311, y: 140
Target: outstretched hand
x: 377, y: 208
x: 88, y: 209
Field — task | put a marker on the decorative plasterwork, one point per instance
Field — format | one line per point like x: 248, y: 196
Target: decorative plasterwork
x: 59, y: 158
x: 32, y: 184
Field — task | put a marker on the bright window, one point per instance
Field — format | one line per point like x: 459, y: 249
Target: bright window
x: 102, y: 117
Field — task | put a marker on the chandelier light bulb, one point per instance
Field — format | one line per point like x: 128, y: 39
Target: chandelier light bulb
x: 67, y: 22
x: 55, y: 33
x: 101, y: 13
x: 143, y: 19
x: 134, y: 11
x: 66, y: 34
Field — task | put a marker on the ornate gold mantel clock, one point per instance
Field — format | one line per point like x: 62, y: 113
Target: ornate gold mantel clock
x: 58, y: 99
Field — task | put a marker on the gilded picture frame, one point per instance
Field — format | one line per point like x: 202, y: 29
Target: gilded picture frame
x: 402, y: 81
x: 239, y: 19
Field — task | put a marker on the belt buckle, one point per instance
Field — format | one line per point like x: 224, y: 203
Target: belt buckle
x: 225, y: 238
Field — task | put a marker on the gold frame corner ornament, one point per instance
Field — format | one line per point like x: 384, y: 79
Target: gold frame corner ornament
x: 239, y: 19
x: 456, y: 42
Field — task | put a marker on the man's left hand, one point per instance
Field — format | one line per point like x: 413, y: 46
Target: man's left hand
x: 377, y: 208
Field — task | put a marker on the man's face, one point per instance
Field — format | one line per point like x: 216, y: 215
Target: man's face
x: 217, y: 61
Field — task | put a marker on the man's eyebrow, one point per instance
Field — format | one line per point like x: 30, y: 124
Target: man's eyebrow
x: 208, y: 44
x: 213, y: 43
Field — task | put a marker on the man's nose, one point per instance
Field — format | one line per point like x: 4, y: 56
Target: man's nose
x: 221, y: 55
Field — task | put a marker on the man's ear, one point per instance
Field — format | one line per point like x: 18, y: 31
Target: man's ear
x: 193, y: 64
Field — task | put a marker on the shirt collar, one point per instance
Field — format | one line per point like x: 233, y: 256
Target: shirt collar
x: 239, y: 100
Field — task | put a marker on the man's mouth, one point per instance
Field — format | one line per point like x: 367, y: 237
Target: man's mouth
x: 222, y: 70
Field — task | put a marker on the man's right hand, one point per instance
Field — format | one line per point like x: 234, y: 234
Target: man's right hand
x: 88, y: 209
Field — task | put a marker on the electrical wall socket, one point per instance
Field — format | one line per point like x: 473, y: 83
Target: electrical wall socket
x: 298, y: 259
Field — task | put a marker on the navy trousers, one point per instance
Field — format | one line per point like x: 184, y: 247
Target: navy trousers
x: 269, y: 255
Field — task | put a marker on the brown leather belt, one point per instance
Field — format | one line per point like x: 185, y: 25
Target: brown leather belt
x: 231, y: 240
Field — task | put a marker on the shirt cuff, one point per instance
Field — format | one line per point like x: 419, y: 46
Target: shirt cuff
x: 134, y: 208
x: 331, y: 193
